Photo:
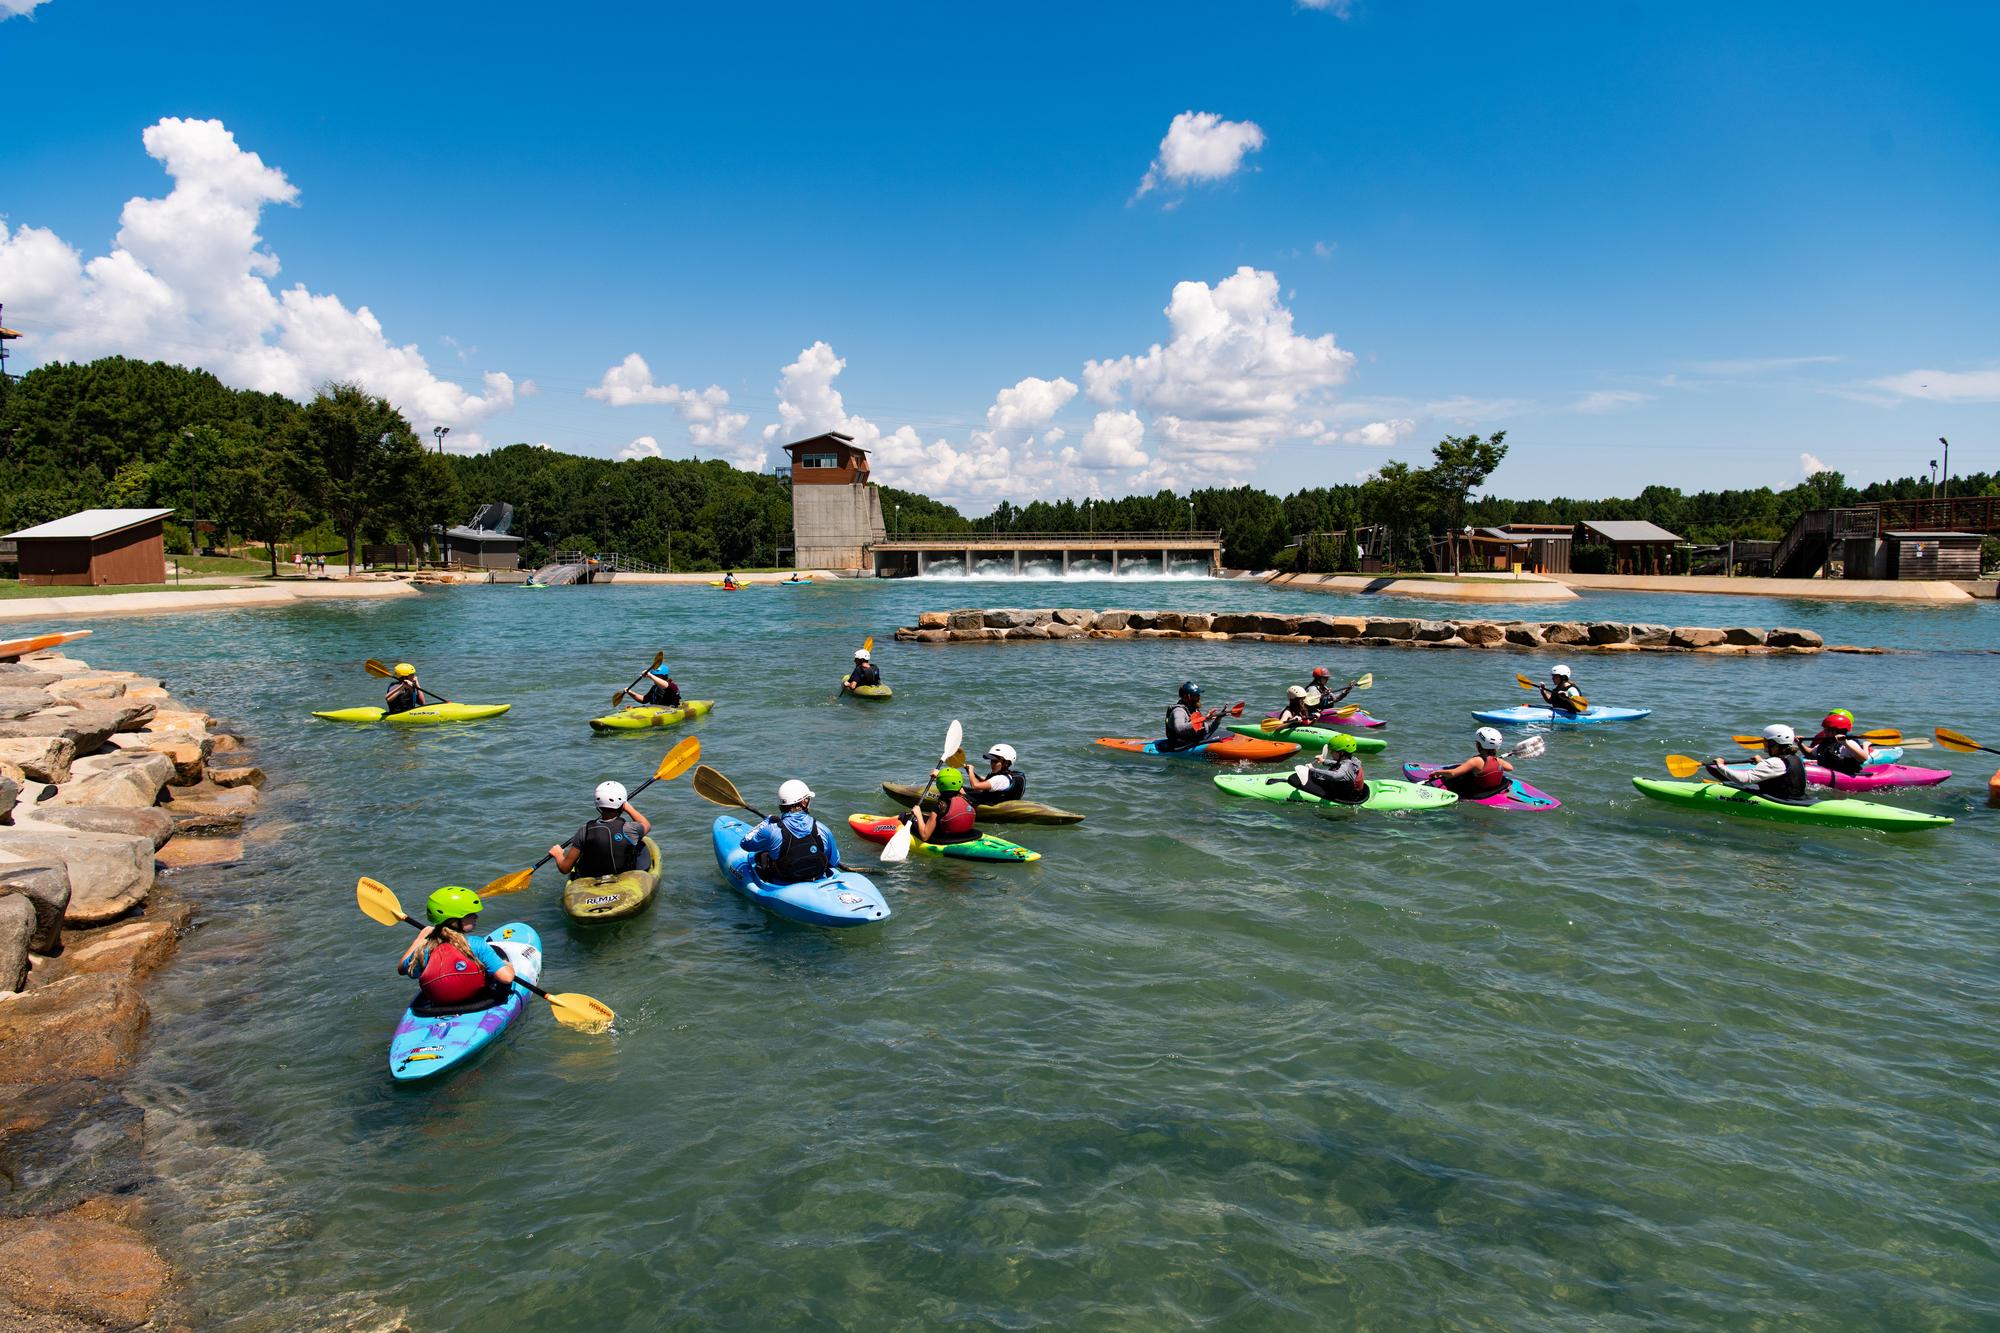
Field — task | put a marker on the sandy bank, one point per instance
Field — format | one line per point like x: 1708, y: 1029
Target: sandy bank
x: 197, y: 599
x: 1465, y: 588
x: 1830, y: 590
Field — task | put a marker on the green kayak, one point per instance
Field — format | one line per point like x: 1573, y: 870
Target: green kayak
x: 645, y: 716
x: 985, y: 847
x: 871, y: 692
x: 1309, y: 739
x: 415, y: 717
x: 1833, y: 812
x: 1383, y: 793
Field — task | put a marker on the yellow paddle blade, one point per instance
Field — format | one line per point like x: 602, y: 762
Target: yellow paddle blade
x: 1748, y: 740
x: 712, y: 786
x: 1887, y: 735
x: 1526, y: 684
x: 1271, y: 724
x: 1957, y: 740
x: 581, y: 1012
x: 375, y: 667
x: 1581, y: 702
x: 956, y: 759
x: 1347, y: 710
x: 512, y: 882
x: 868, y: 644
x: 377, y: 901
x: 679, y: 760
x: 1365, y: 681
x: 1681, y: 766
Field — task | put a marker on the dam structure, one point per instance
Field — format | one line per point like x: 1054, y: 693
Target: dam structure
x: 1047, y: 554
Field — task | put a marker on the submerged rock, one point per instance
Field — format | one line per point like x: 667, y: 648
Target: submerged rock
x: 88, y: 1263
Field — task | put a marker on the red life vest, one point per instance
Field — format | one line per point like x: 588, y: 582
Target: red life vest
x: 1490, y: 777
x: 956, y: 820
x: 450, y: 977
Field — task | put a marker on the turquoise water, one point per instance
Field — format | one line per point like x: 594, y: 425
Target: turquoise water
x: 1207, y: 1063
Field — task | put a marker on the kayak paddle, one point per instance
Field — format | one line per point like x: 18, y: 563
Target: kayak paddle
x: 658, y: 658
x: 847, y: 681
x: 571, y: 1010
x: 712, y: 786
x: 678, y: 761
x: 1958, y: 740
x: 1681, y: 766
x: 898, y: 848
x: 1886, y: 735
x: 1526, y: 684
x: 376, y: 668
x: 1532, y: 748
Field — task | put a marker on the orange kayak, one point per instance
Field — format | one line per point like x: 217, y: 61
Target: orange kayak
x: 12, y: 648
x: 1222, y: 750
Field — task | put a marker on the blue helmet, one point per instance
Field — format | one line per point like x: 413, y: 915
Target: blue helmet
x: 1190, y: 690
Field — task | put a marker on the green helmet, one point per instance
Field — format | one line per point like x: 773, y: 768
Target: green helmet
x: 950, y: 780
x: 450, y: 903
x: 1344, y: 743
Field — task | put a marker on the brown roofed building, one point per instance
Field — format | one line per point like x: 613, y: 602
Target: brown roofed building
x: 94, y: 548
x: 836, y: 511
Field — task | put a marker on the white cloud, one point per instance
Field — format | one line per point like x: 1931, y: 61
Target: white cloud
x: 1609, y: 400
x: 1324, y: 249
x: 13, y: 8
x: 1812, y: 466
x: 1113, y: 442
x: 1378, y: 434
x: 1945, y: 386
x: 1338, y: 8
x: 710, y: 423
x: 1758, y: 365
x: 1201, y: 146
x: 1029, y: 405
x: 189, y: 281
x: 643, y: 447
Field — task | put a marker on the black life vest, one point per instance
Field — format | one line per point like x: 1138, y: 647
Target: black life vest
x: 797, y: 860
x: 605, y: 850
x: 1184, y: 734
x: 1017, y: 792
x: 1829, y: 749
x: 1789, y: 785
x: 400, y: 697
x: 866, y: 674
x: 662, y: 696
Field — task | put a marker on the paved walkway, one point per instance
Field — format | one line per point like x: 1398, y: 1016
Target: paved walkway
x: 280, y: 593
x: 1465, y: 588
x: 1832, y: 590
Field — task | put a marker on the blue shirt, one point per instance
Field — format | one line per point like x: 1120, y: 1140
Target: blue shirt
x: 764, y: 838
x: 483, y: 953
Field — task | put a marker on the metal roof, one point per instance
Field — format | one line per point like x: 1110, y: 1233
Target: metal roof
x: 92, y: 523
x: 1919, y: 536
x: 1629, y: 530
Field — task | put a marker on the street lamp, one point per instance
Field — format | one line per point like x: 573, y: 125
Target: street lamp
x: 1947, y: 465
x: 438, y: 433
x: 1190, y: 515
x: 1934, y: 479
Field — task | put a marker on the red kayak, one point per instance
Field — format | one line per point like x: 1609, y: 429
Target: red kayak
x: 1231, y: 749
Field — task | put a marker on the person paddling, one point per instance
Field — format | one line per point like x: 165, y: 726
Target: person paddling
x: 610, y: 844
x: 1003, y: 781
x: 954, y: 819
x: 1780, y: 774
x: 1561, y: 694
x: 661, y: 689
x: 1186, y: 727
x: 1483, y: 774
x: 1335, y: 776
x: 404, y: 691
x: 1301, y: 707
x: 865, y: 671
x: 791, y: 846
x: 1321, y: 694
x: 1833, y: 745
x: 456, y: 970
x: 729, y: 581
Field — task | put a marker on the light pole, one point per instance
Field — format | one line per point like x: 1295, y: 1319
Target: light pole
x: 1947, y: 465
x: 1934, y: 479
x: 438, y: 433
x: 1190, y: 516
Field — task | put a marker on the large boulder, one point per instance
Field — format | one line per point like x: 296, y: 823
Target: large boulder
x: 40, y: 758
x: 109, y: 873
x: 1523, y: 635
x: 959, y: 621
x: 87, y: 727
x: 1071, y: 615
x: 187, y: 749
x: 131, y: 949
x: 128, y: 778
x: 90, y: 685
x: 1481, y: 634
x: 1142, y: 620
x: 17, y: 931
x: 1236, y: 622
x: 921, y: 636
x: 1743, y: 637
x: 89, y: 1264
x: 933, y: 620
x: 1604, y: 632
x: 1794, y: 638
x: 1008, y: 618
x: 1055, y: 629
x: 1563, y: 632
x: 1111, y: 620
x: 151, y: 823
x: 45, y: 886
x: 178, y: 720
x: 1695, y: 636
x: 17, y: 703
x: 84, y: 1026
x: 1434, y: 631
x: 10, y: 792
x: 1651, y: 636
x: 1389, y: 629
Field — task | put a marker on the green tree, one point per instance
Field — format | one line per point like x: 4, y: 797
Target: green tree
x: 1462, y: 463
x: 351, y: 451
x: 259, y: 494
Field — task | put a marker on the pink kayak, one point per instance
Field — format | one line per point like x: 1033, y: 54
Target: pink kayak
x: 1328, y: 718
x: 1876, y: 777
x: 1518, y: 796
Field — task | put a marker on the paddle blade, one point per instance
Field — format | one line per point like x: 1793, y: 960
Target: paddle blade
x: 1749, y: 740
x: 679, y: 760
x: 1915, y: 742
x: 1526, y: 684
x: 1581, y: 703
x: 1532, y: 748
x: 1887, y: 735
x: 1366, y: 681
x: 1271, y: 724
x: 712, y: 786
x: 956, y: 759
x: 377, y: 901
x: 580, y: 1011
x: 1236, y: 709
x: 512, y: 882
x: 1683, y: 767
x: 897, y: 850
x: 868, y: 644
x: 1347, y: 710
x: 954, y: 739
x: 374, y: 667
x: 1957, y: 740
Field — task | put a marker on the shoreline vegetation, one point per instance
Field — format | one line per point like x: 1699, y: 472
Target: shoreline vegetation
x: 111, y: 792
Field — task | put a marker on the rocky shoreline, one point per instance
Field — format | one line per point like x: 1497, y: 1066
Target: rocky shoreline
x: 1006, y: 624
x: 108, y: 786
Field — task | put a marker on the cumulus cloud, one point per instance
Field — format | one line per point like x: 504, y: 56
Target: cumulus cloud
x: 1609, y: 400
x: 710, y: 423
x: 14, y: 8
x: 1030, y: 404
x: 1945, y: 386
x: 643, y: 447
x: 189, y: 280
x: 1113, y: 442
x: 1811, y: 466
x: 1380, y: 434
x: 1338, y: 8
x: 1201, y: 146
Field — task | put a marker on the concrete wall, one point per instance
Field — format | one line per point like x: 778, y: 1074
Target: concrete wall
x: 833, y: 525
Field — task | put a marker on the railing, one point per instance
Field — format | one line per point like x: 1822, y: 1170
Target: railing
x: 962, y: 539
x: 1823, y: 526
x: 1969, y: 513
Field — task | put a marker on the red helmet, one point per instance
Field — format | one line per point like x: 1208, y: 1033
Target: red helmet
x: 1320, y: 673
x: 1838, y: 720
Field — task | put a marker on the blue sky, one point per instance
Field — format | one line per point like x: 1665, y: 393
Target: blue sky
x: 1691, y: 246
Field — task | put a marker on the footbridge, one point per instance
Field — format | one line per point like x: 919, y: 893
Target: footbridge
x: 1050, y: 554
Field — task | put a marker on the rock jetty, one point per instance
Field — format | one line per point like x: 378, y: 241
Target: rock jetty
x: 108, y: 786
x: 995, y: 625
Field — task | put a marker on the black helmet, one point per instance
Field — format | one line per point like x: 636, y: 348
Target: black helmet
x: 1190, y: 690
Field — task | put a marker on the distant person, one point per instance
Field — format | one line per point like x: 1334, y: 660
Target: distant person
x: 1561, y: 694
x: 661, y: 689
x: 298, y: 561
x: 954, y: 819
x: 791, y: 846
x: 865, y: 672
x: 454, y: 967
x: 729, y: 581
x: 1003, y: 781
x: 1781, y: 773
x: 1833, y: 746
x: 1482, y: 775
x: 1301, y: 707
x: 404, y: 692
x: 1186, y: 727
x: 1335, y: 776
x: 1321, y: 694
x: 611, y: 844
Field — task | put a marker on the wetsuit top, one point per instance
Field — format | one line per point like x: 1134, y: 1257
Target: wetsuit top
x: 661, y: 691
x: 1327, y: 695
x: 610, y: 847
x: 792, y: 849
x: 401, y: 696
x: 955, y: 820
x: 1779, y: 775
x: 1183, y: 731
x: 1016, y: 788
x: 1490, y: 778
x: 1342, y: 780
x: 1830, y: 749
x: 866, y: 674
x: 1562, y: 698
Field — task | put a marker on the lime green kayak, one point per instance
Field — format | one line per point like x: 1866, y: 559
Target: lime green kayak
x: 870, y: 691
x: 415, y: 717
x: 1383, y: 793
x: 1309, y: 739
x: 985, y: 847
x: 651, y: 715
x: 1834, y: 812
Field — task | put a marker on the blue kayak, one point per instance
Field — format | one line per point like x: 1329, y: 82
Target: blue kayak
x: 427, y: 1045
x: 1530, y: 714
x: 843, y: 898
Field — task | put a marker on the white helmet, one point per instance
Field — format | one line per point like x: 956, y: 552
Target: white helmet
x: 861, y: 655
x: 1781, y: 734
x: 1487, y: 738
x: 610, y: 796
x: 1559, y: 669
x: 1296, y: 692
x: 1002, y: 751
x: 794, y: 792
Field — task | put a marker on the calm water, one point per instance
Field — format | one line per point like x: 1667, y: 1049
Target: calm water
x: 1208, y: 1063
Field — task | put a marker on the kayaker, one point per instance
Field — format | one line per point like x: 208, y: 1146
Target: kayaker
x: 1003, y: 781
x: 1483, y: 774
x: 661, y: 691
x: 1321, y: 694
x: 1780, y: 774
x: 454, y: 967
x: 1336, y: 775
x: 1186, y: 728
x: 1832, y: 746
x: 1561, y: 693
x: 610, y: 844
x: 791, y: 846
x: 729, y: 581
x: 954, y: 818
x: 1301, y: 707
x: 404, y: 692
x: 865, y: 671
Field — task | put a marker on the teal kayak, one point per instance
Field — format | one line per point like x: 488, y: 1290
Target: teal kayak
x: 1383, y: 793
x: 1835, y: 812
x: 427, y: 1042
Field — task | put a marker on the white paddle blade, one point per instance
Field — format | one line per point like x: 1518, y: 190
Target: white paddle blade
x: 954, y: 737
x: 897, y: 850
x: 1532, y: 748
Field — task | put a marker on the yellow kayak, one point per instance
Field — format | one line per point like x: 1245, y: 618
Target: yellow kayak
x: 645, y: 716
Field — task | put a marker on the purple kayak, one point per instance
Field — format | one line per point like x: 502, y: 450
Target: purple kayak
x: 1518, y: 796
x: 1328, y: 718
x: 1875, y: 777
